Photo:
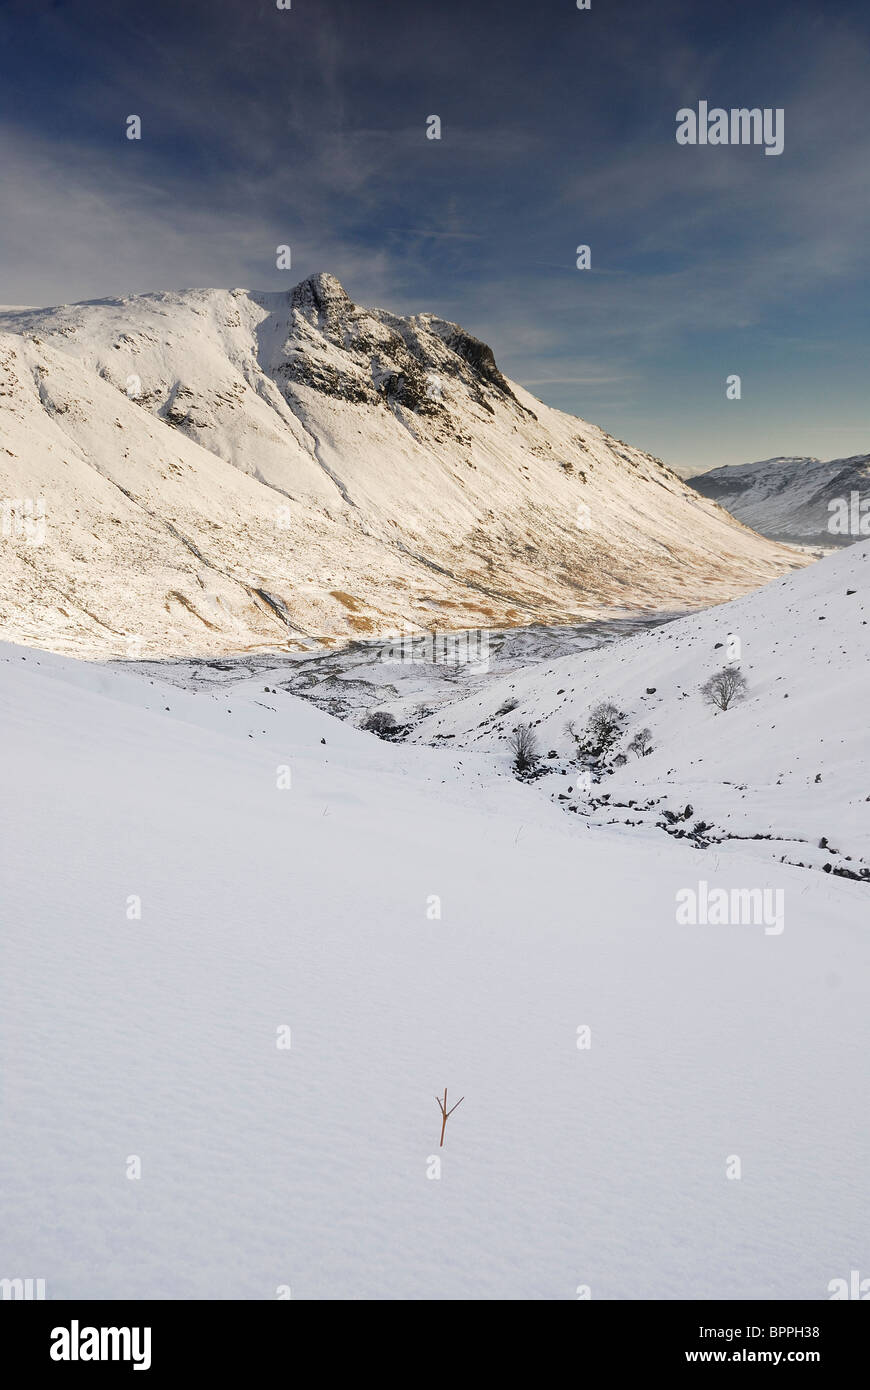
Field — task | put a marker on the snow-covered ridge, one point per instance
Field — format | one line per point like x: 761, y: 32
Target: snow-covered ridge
x: 790, y: 499
x: 225, y: 471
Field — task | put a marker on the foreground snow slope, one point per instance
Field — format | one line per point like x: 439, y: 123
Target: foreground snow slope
x: 224, y: 471
x: 791, y: 761
x: 307, y: 908
x: 789, y: 499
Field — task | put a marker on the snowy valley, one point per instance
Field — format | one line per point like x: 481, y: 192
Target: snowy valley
x: 249, y: 942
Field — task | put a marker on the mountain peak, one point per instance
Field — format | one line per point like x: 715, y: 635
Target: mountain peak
x: 321, y: 298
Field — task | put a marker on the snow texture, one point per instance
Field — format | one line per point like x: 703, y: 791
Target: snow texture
x: 311, y: 908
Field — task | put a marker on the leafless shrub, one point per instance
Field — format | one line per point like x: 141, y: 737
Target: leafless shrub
x: 524, y: 746
x: 723, y: 688
x: 641, y: 744
x: 604, y: 726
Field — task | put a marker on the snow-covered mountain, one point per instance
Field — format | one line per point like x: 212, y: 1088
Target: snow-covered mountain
x: 218, y: 471
x: 796, y: 500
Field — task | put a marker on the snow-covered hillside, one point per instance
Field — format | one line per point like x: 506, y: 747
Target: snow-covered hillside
x: 796, y: 500
x: 418, y: 920
x: 223, y: 471
x: 788, y: 765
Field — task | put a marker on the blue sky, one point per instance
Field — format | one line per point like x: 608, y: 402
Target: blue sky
x: 307, y: 126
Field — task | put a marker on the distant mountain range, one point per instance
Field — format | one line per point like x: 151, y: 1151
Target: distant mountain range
x: 796, y: 500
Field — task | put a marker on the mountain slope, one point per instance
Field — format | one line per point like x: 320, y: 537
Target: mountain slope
x: 789, y: 499
x: 226, y: 471
x: 788, y: 765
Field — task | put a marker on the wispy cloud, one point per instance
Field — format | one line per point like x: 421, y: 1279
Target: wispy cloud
x: 264, y: 127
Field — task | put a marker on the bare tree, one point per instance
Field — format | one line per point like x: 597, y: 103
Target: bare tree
x: 641, y: 744
x: 524, y: 746
x: 445, y: 1113
x: 604, y: 726
x: 723, y: 688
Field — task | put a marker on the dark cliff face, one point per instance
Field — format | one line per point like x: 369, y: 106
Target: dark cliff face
x: 412, y: 363
x: 479, y: 357
x: 323, y: 301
